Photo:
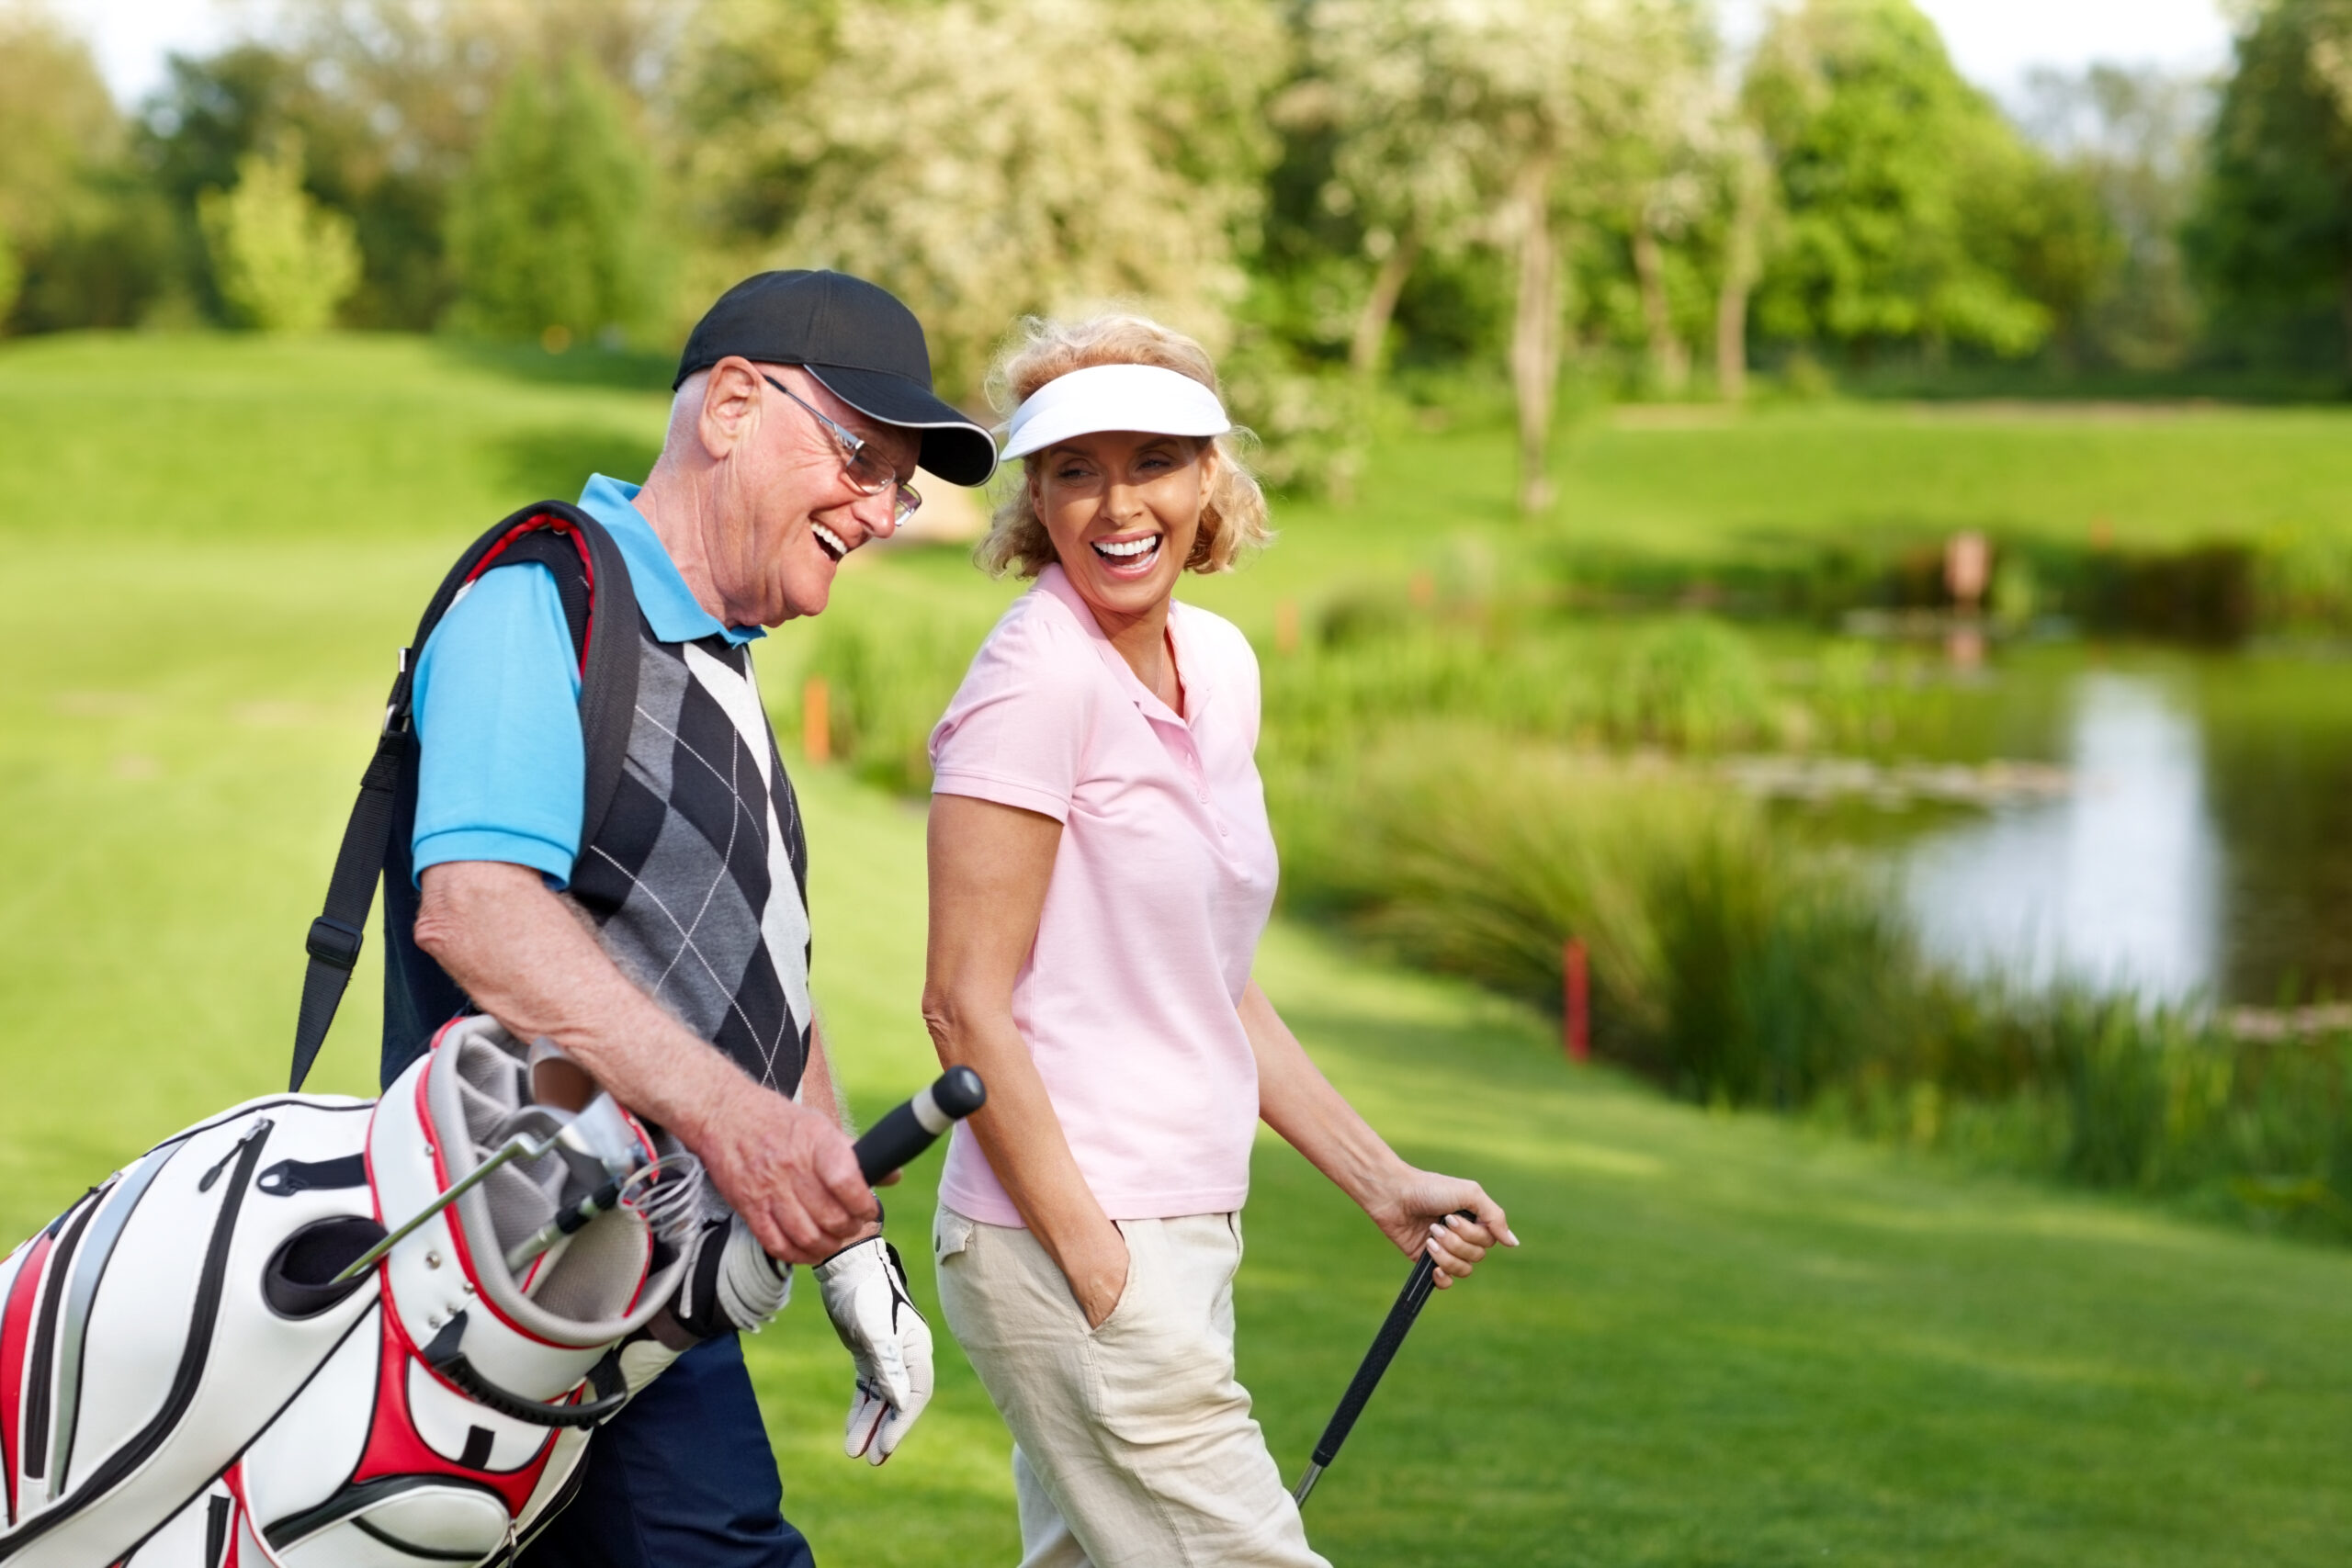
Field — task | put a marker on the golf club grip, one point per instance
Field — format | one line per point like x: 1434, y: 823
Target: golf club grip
x: 912, y: 1126
x: 1393, y: 1329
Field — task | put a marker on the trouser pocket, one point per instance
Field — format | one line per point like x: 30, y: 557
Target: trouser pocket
x: 1160, y: 1366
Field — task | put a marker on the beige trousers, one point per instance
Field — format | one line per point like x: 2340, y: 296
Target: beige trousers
x: 1134, y: 1447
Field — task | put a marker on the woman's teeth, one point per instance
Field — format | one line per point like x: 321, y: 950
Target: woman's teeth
x: 829, y: 541
x: 1127, y: 550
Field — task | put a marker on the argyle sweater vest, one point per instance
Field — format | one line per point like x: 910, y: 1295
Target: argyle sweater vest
x: 698, y: 878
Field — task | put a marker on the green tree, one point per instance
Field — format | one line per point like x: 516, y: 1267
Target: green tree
x: 1504, y: 121
x: 2272, y: 237
x: 1890, y: 169
x: 284, y: 262
x: 985, y: 158
x: 58, y: 130
x: 549, y: 229
x: 2135, y: 140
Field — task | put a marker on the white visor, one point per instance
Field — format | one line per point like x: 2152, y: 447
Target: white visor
x: 1113, y: 396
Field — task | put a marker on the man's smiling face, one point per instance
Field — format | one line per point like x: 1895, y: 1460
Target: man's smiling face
x: 792, y: 512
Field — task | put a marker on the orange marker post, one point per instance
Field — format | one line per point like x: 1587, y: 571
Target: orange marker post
x: 816, y: 720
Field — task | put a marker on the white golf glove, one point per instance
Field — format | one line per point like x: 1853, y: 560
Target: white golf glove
x: 865, y: 1296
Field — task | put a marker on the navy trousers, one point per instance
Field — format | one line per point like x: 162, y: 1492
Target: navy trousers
x: 683, y: 1478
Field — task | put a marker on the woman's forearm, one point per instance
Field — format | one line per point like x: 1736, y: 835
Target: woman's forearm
x: 1297, y: 1100
x: 1026, y: 1148
x: 1420, y: 1210
x: 990, y: 867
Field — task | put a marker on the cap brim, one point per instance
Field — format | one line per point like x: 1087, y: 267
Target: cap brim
x: 953, y: 446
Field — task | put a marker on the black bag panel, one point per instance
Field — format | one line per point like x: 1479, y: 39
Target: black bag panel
x: 600, y: 612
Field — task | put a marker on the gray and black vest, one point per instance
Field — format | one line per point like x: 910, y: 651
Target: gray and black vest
x: 693, y: 863
x: 698, y: 878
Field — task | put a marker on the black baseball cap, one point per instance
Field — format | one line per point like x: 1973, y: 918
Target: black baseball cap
x: 858, y: 340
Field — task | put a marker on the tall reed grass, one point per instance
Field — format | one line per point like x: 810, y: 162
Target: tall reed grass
x: 1734, y: 967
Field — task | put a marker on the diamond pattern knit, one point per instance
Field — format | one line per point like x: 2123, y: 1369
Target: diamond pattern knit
x: 698, y: 878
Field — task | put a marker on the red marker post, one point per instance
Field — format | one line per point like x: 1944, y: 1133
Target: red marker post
x: 1576, y: 1013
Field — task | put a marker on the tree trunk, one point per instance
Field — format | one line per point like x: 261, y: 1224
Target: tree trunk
x: 1740, y: 267
x: 1730, y: 341
x: 1535, y: 328
x: 1380, y: 306
x: 2347, y: 315
x: 1669, y: 361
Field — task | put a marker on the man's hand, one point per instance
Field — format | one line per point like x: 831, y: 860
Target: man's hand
x: 865, y: 1296
x: 528, y: 963
x: 1416, y: 1210
x: 787, y: 1171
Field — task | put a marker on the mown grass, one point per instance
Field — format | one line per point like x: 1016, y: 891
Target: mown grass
x: 1729, y: 1339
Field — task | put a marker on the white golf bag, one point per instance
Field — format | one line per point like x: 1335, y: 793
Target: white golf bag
x: 186, y: 1381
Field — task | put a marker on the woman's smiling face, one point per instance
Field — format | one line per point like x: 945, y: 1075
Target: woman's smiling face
x: 1122, y: 509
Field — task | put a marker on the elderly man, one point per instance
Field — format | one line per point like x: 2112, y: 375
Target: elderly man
x: 803, y: 405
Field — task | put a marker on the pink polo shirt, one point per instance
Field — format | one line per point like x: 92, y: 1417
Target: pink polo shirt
x: 1161, y: 889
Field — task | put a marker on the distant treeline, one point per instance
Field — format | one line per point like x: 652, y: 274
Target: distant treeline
x: 1339, y: 191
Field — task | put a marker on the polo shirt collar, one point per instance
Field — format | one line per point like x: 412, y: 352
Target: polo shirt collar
x: 1056, y: 581
x: 669, y: 605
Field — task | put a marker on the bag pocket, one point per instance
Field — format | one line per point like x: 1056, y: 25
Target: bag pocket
x: 398, y: 1521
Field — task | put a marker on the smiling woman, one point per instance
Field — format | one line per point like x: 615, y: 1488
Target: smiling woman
x: 1100, y: 871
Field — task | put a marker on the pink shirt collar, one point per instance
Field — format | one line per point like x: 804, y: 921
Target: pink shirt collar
x: 1056, y: 581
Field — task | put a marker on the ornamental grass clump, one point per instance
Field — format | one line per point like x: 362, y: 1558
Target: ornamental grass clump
x: 1726, y: 965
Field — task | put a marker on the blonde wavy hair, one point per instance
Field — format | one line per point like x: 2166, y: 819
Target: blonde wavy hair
x: 1233, y: 516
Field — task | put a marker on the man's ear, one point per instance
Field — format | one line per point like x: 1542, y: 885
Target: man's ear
x: 731, y: 407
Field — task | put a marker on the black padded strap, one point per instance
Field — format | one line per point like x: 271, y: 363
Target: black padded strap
x: 336, y: 936
x: 600, y: 610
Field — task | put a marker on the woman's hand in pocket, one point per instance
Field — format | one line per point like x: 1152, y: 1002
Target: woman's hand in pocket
x: 1098, y: 1274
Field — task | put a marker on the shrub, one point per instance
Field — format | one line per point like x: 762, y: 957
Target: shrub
x: 548, y: 229
x: 283, y: 261
x: 1691, y: 682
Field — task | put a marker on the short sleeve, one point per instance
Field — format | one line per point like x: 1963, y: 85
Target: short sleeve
x: 497, y: 701
x: 1016, y: 732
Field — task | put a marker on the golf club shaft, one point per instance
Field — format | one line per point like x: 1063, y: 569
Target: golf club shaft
x: 521, y: 1145
x: 1393, y: 1329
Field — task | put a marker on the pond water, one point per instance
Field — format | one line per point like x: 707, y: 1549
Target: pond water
x: 2203, y: 845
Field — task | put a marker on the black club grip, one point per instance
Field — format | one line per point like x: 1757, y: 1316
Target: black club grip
x: 1393, y: 1329
x: 1418, y: 1286
x: 911, y: 1127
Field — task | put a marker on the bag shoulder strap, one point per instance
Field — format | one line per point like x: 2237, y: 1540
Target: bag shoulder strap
x: 600, y: 611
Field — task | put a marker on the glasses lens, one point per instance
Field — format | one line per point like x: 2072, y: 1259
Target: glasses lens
x: 908, y: 501
x: 870, y: 473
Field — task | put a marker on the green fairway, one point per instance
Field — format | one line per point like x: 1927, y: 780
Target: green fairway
x: 1726, y: 1340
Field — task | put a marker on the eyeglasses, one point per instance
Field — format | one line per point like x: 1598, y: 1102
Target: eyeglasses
x: 867, y: 474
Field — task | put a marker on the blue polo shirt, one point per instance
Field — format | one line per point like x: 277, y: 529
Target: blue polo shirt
x: 497, y: 701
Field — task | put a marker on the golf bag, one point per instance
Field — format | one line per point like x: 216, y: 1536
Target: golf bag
x: 188, y: 1381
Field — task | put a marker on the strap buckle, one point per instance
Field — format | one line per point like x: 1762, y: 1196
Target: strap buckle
x: 334, y: 942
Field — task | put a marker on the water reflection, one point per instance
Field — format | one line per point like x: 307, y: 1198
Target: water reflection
x: 2119, y: 883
